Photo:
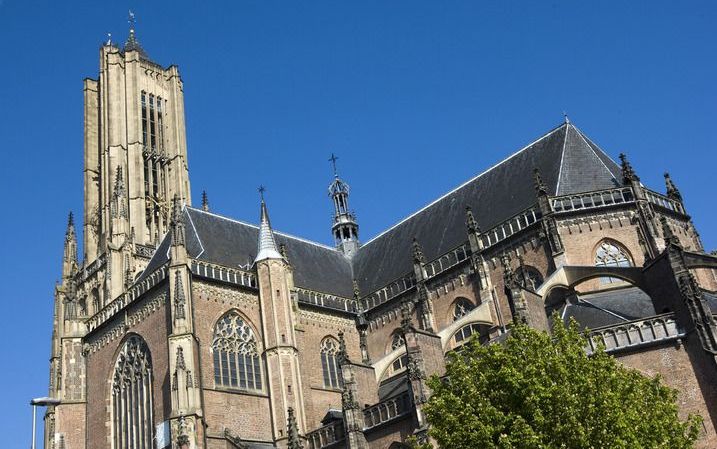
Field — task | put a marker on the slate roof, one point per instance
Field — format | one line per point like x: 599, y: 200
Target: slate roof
x: 610, y: 307
x: 216, y: 239
x: 568, y: 161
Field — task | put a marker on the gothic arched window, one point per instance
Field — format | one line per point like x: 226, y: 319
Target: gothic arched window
x: 530, y: 277
x: 132, y: 396
x: 236, y: 357
x: 610, y: 254
x: 461, y: 308
x: 398, y: 341
x: 330, y: 363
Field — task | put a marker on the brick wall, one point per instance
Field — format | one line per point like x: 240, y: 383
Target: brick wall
x: 100, y: 364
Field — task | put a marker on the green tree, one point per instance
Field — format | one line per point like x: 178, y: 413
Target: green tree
x: 538, y: 391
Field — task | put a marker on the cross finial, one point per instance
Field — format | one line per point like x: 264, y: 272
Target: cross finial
x: 261, y: 189
x: 333, y: 160
x: 131, y: 20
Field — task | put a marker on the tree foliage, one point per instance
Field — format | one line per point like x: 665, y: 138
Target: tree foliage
x: 538, y: 391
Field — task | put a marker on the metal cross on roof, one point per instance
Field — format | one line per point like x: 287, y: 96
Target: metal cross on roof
x: 261, y: 189
x: 333, y: 160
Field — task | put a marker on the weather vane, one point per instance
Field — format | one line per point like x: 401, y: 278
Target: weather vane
x: 565, y: 116
x: 261, y: 190
x: 333, y: 160
x: 131, y: 20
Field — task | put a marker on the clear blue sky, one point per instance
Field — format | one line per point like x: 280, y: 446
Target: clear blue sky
x: 415, y: 97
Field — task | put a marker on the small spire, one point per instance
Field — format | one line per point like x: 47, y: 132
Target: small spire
x: 628, y: 173
x: 267, y: 245
x: 406, y: 323
x: 343, y: 354
x: 540, y: 186
x: 418, y: 256
x: 118, y: 208
x: 205, y: 201
x: 508, y: 274
x: 672, y: 192
x: 670, y: 237
x: 70, y: 224
x: 292, y: 430
x: 176, y: 222
x: 471, y: 222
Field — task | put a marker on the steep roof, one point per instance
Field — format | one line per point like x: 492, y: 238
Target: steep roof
x: 568, y: 161
x: 216, y: 239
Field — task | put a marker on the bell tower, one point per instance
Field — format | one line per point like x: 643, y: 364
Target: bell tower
x: 345, y: 227
x: 134, y: 124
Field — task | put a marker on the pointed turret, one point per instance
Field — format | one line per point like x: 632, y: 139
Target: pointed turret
x: 69, y: 259
x: 267, y: 248
x: 119, y: 208
x: 345, y: 227
x: 672, y: 192
x: 205, y: 201
x: 628, y: 173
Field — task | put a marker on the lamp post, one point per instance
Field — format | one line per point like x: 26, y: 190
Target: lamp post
x: 42, y: 402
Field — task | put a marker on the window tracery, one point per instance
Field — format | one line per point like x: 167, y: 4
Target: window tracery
x: 329, y: 363
x: 132, y: 396
x: 462, y: 308
x: 235, y: 352
x: 610, y: 254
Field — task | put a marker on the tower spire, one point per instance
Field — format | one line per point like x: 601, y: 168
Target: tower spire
x: 132, y: 43
x: 345, y: 227
x: 267, y: 245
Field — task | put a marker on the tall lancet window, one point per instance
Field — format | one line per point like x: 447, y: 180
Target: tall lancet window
x: 132, y: 396
x: 236, y: 357
x: 330, y: 363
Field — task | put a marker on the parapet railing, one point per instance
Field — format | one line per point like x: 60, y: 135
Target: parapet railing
x: 592, y: 200
x: 224, y: 274
x: 664, y: 202
x: 326, y: 436
x: 126, y: 298
x: 145, y: 251
x: 448, y: 261
x: 387, y: 293
x: 91, y: 269
x: 511, y: 226
x: 635, y: 333
x: 318, y: 299
x: 387, y: 411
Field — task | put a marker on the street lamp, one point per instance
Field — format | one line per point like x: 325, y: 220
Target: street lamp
x: 42, y: 402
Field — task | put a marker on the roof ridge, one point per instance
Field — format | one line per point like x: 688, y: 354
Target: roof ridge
x: 549, y: 133
x: 283, y: 234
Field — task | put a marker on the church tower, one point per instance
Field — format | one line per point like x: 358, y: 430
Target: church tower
x: 344, y: 228
x: 134, y: 129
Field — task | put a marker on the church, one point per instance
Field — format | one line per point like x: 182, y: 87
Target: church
x: 180, y: 328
